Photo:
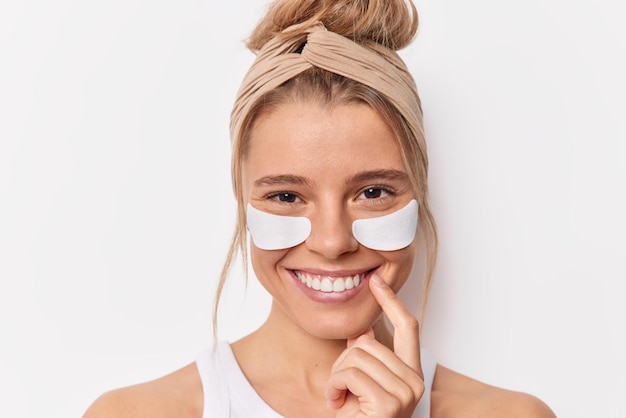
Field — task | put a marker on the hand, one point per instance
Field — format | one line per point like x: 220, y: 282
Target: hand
x: 368, y: 379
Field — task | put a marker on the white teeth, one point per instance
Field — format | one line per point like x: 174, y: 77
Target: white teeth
x: 329, y: 284
x: 339, y: 285
x: 349, y: 283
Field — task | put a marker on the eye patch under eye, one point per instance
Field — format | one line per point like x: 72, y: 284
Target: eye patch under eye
x: 275, y: 232
x: 385, y: 233
x: 390, y: 232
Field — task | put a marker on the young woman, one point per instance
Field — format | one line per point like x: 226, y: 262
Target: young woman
x: 330, y: 175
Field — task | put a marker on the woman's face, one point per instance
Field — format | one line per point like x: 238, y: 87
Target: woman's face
x: 332, y: 166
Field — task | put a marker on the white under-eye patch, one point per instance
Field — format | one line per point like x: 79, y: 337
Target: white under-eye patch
x: 275, y: 232
x: 384, y: 233
x: 390, y: 232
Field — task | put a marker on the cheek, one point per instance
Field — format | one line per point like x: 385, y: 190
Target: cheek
x: 401, y: 263
x: 264, y: 263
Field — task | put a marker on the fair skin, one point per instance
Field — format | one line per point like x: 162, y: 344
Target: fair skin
x: 331, y: 349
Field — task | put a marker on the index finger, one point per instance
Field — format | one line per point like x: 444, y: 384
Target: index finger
x: 406, y: 344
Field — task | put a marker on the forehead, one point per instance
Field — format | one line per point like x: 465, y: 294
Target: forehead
x: 313, y: 139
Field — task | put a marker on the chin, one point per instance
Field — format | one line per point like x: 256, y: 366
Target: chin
x: 342, y: 326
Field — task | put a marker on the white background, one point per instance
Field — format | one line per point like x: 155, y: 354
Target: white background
x: 116, y: 208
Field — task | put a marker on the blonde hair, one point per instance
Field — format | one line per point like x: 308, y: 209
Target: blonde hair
x: 388, y: 23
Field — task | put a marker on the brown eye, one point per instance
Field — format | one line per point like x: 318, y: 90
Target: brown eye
x: 372, y: 193
x: 285, y: 197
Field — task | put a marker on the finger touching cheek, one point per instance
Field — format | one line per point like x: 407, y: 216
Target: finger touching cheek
x: 406, y: 327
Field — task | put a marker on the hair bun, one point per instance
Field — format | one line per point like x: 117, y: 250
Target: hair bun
x: 391, y: 23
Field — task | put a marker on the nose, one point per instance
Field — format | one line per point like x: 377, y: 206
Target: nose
x: 331, y: 233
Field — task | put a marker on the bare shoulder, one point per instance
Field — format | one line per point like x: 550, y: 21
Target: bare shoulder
x: 178, y: 394
x: 456, y: 395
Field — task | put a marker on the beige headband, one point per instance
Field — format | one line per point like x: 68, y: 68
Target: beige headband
x: 374, y: 66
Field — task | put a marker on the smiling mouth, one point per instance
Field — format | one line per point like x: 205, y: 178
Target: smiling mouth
x: 329, y: 284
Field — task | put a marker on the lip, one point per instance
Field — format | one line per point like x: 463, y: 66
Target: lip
x: 335, y: 273
x: 332, y: 297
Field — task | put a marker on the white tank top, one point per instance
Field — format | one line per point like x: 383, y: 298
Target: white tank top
x: 228, y: 394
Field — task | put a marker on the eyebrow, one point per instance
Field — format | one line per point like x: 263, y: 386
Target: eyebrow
x: 363, y: 177
x: 366, y: 176
x: 282, y: 179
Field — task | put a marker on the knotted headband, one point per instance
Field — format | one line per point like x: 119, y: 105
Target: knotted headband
x: 286, y: 56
